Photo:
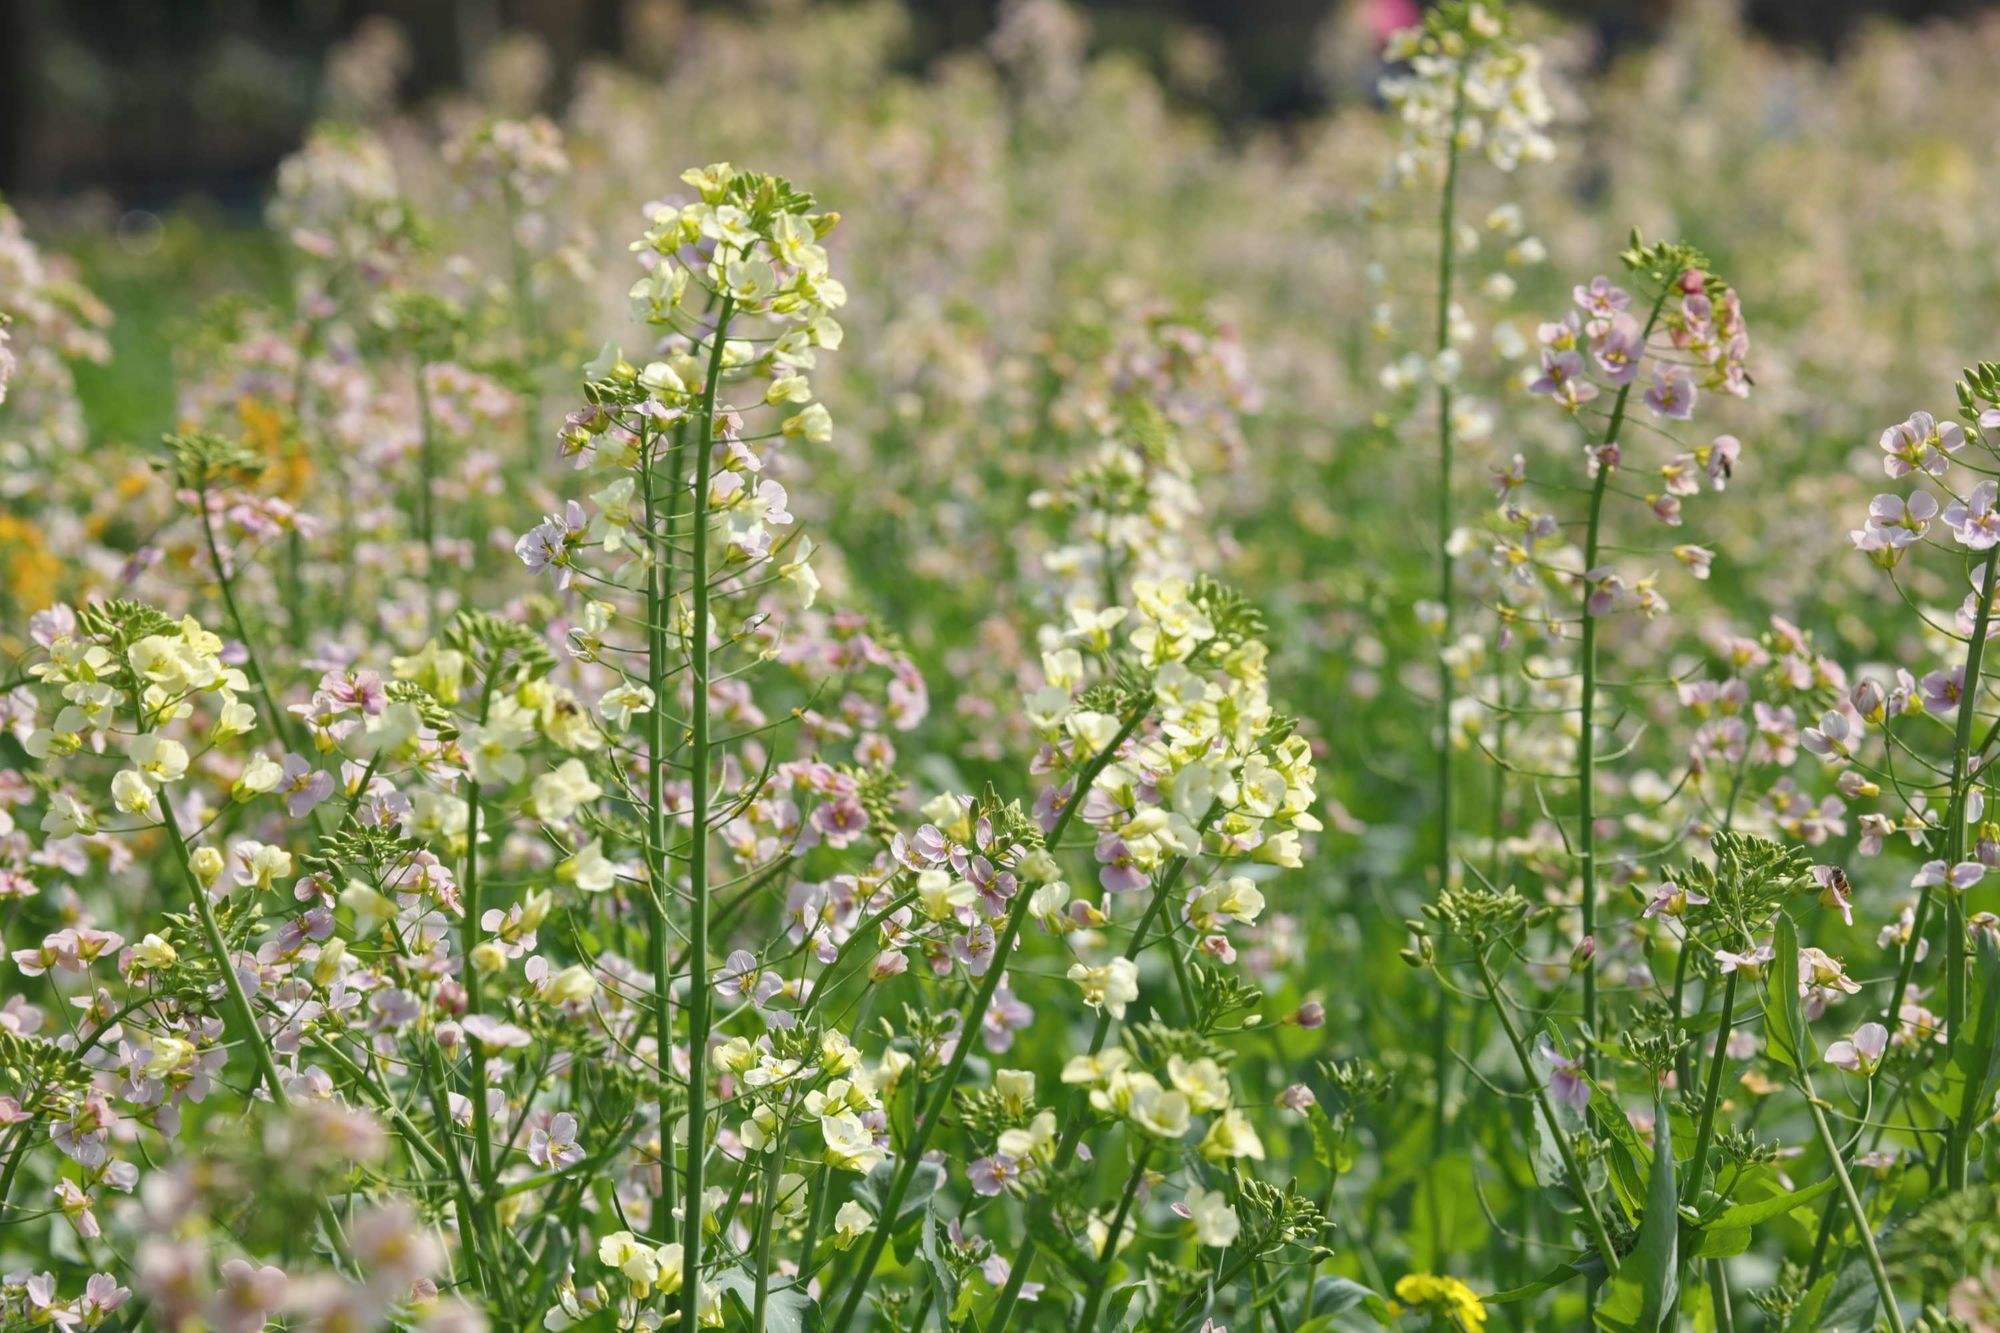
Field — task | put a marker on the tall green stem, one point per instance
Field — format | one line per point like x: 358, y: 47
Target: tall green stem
x: 975, y: 1016
x: 1586, y: 741
x: 218, y: 950
x: 469, y: 931
x: 1446, y: 254
x: 1705, y: 1129
x: 1860, y: 1215
x: 427, y: 484
x: 659, y: 597
x: 760, y: 1271
x: 1074, y: 1123
x: 698, y: 812
x: 482, y: 1128
x: 1958, y: 1139
x: 227, y: 585
x: 1599, y: 1236
x: 1095, y: 1301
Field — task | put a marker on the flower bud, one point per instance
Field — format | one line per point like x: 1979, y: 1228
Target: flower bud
x: 207, y: 864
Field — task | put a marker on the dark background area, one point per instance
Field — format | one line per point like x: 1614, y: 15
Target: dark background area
x: 145, y: 102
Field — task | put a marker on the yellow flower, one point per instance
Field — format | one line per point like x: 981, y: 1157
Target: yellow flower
x: 1445, y: 1299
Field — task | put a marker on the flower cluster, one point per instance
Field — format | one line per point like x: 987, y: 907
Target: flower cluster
x: 1471, y: 83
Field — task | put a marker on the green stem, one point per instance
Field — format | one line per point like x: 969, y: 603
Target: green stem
x: 761, y: 1269
x: 1446, y: 254
x: 1861, y: 1227
x: 527, y: 320
x: 1088, y: 1324
x: 482, y: 1129
x: 1586, y: 741
x: 426, y: 482
x: 1074, y: 1119
x: 1705, y: 1129
x: 698, y: 997
x: 1958, y: 1138
x: 1718, y: 1291
x: 227, y: 585
x: 1599, y: 1236
x: 658, y: 674
x: 474, y: 1240
x: 927, y: 1123
x: 218, y: 951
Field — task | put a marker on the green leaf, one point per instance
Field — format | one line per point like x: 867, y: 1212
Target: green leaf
x: 1851, y: 1301
x: 873, y: 1192
x: 1763, y: 1210
x: 1548, y: 1281
x: 786, y: 1310
x: 1447, y: 1194
x: 934, y: 1261
x: 1974, y: 1070
x: 1621, y: 1307
x: 1720, y: 1242
x: 1336, y: 1295
x: 1785, y: 1037
x: 1656, y: 1254
x: 1626, y: 1153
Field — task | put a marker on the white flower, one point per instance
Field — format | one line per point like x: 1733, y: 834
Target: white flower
x: 849, y: 1145
x: 850, y: 1223
x: 1215, y: 1222
x: 554, y: 796
x: 1110, y: 987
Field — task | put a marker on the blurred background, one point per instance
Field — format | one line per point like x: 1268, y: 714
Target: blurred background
x: 141, y: 104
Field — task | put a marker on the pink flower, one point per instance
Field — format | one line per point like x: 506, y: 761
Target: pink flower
x: 1862, y: 1052
x: 1749, y: 963
x: 1602, y: 299
x: 1620, y: 350
x: 1672, y: 394
x: 1562, y: 379
x: 1567, y: 1083
x: 1973, y: 521
x: 1919, y: 444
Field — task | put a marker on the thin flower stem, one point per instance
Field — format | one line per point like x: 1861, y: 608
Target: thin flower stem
x: 218, y: 949
x: 1958, y: 1137
x: 1095, y: 1301
x: 470, y: 1223
x: 1705, y: 1126
x: 878, y: 1241
x: 698, y: 802
x: 659, y: 592
x: 1854, y: 1208
x: 1070, y: 1136
x: 767, y: 1205
x: 228, y: 589
x: 527, y: 317
x: 1446, y: 255
x: 469, y: 929
x: 1599, y: 1236
x: 426, y: 486
x: 1586, y: 741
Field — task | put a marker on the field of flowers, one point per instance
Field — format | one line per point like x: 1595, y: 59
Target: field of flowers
x: 794, y: 694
